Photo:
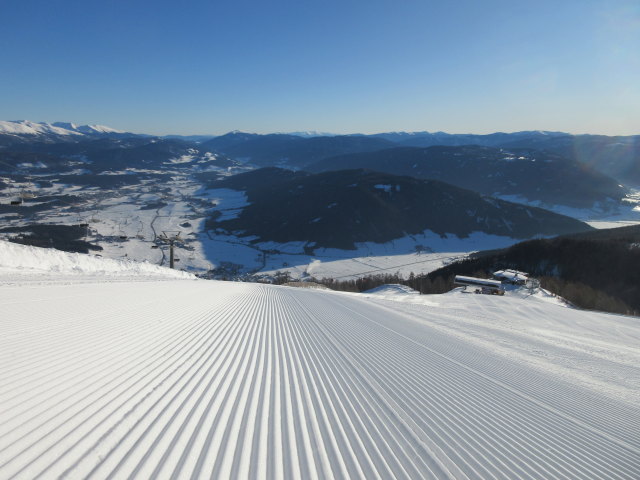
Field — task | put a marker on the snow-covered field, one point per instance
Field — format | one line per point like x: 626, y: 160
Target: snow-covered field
x: 186, y: 379
x: 612, y: 215
x: 418, y: 254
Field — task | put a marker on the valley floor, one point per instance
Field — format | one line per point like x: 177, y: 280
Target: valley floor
x: 180, y: 379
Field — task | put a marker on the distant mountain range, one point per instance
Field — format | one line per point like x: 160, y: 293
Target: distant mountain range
x: 53, y: 131
x: 340, y: 209
x: 498, y: 139
x: 617, y: 157
x: 334, y: 191
x: 106, y: 155
x: 290, y: 150
x: 535, y: 176
x: 536, y: 167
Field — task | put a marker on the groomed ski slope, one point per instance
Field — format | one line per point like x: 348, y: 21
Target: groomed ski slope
x: 197, y: 379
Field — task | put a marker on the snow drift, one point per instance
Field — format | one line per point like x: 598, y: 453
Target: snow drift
x: 22, y: 260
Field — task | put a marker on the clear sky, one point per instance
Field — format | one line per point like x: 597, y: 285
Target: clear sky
x: 343, y: 66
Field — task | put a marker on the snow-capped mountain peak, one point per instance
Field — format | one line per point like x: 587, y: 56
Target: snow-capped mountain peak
x: 86, y: 129
x: 97, y: 129
x: 66, y: 125
x: 26, y: 127
x: 311, y: 134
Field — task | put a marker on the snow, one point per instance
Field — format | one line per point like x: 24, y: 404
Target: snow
x: 182, y: 159
x: 386, y: 188
x: 31, y: 165
x: 97, y: 129
x: 26, y: 127
x: 419, y: 254
x: 229, y: 202
x: 234, y: 380
x: 512, y: 275
x: 391, y: 290
x: 34, y: 263
x: 474, y: 281
x: 181, y: 203
x: 311, y: 133
x: 612, y: 214
x: 140, y: 213
x: 349, y: 268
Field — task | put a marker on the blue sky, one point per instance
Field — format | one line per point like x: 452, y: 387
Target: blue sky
x: 199, y: 67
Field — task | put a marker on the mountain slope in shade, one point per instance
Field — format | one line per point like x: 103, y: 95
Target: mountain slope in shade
x: 339, y: 209
x: 533, y: 175
x: 616, y: 156
x: 497, y: 139
x: 291, y: 150
x: 107, y: 154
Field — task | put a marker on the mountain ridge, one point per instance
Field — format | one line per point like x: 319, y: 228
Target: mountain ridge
x: 340, y: 209
x: 534, y: 175
x: 27, y: 127
x: 615, y: 156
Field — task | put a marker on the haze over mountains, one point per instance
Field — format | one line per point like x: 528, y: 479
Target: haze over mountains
x: 529, y: 175
x: 290, y: 150
x: 616, y: 156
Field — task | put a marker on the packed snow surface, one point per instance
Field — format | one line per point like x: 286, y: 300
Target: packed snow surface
x: 204, y: 379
